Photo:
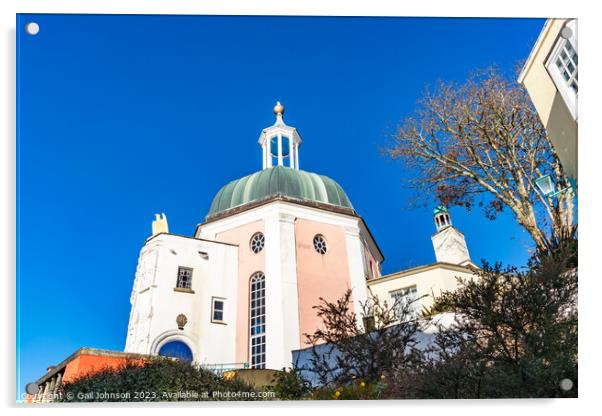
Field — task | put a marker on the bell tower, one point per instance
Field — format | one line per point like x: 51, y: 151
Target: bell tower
x: 280, y: 143
x: 448, y: 242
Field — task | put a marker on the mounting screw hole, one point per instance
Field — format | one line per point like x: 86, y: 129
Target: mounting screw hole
x: 32, y: 28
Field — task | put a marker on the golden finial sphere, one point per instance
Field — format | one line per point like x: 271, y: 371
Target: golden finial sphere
x: 278, y: 108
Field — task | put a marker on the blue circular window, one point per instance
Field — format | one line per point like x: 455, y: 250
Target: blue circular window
x: 176, y: 349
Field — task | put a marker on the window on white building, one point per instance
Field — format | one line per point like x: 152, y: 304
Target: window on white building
x: 257, y: 320
x: 217, y: 310
x: 184, y: 278
x: 403, y: 297
x: 562, y: 66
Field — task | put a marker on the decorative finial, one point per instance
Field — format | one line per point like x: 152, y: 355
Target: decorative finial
x: 278, y: 108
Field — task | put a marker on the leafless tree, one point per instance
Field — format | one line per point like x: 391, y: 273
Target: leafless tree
x: 482, y: 143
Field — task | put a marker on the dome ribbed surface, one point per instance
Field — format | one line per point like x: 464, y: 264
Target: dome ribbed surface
x: 440, y: 210
x: 280, y: 180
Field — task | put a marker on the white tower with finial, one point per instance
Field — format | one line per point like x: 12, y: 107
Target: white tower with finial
x: 448, y: 242
x: 280, y: 143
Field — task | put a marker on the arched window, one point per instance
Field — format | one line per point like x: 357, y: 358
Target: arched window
x: 257, y: 320
x: 176, y: 349
x: 280, y: 152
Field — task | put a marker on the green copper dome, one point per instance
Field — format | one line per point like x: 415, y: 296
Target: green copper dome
x: 283, y: 181
x: 440, y: 210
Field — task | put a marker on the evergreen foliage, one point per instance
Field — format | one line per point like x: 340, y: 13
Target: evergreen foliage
x: 161, y: 379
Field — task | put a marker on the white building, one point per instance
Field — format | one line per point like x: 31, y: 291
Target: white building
x: 241, y: 291
x: 551, y: 77
x: 422, y: 284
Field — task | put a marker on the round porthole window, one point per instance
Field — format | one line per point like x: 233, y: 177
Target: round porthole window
x: 320, y: 244
x: 257, y: 242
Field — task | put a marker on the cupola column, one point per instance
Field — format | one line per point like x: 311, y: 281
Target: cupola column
x: 280, y: 143
x: 293, y: 155
x: 296, y: 155
x: 280, y: 157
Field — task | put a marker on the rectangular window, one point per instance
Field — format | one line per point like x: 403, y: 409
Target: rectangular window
x: 217, y: 310
x: 562, y: 65
x: 257, y: 321
x: 403, y: 297
x: 184, y: 278
x: 566, y: 62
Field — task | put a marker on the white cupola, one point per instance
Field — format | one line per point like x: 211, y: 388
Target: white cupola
x: 441, y: 217
x: 280, y: 143
x: 449, y: 243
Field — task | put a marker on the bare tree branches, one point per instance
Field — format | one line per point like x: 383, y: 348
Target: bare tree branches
x: 483, y: 143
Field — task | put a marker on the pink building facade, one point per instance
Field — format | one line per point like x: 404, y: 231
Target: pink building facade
x: 241, y: 291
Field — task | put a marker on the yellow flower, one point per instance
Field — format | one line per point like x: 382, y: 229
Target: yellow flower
x: 337, y: 394
x: 382, y: 377
x: 362, y: 384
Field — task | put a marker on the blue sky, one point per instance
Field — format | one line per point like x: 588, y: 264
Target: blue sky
x: 120, y: 117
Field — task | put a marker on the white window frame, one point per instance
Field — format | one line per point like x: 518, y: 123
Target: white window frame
x: 213, y: 309
x: 569, y: 96
x: 257, y: 321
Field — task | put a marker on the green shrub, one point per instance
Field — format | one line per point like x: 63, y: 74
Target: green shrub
x: 289, y: 385
x: 161, y: 379
x: 356, y: 390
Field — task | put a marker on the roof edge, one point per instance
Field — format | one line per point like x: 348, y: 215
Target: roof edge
x: 284, y: 198
x: 89, y: 351
x: 423, y: 268
x: 278, y: 197
x: 206, y: 240
x: 542, y: 35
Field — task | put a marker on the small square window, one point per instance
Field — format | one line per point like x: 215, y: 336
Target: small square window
x: 184, y: 278
x: 217, y: 310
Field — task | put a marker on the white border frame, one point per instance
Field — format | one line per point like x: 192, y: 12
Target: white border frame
x: 589, y: 151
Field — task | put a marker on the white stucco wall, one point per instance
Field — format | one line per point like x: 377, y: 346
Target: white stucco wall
x: 430, y: 281
x: 155, y: 303
x: 450, y: 246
